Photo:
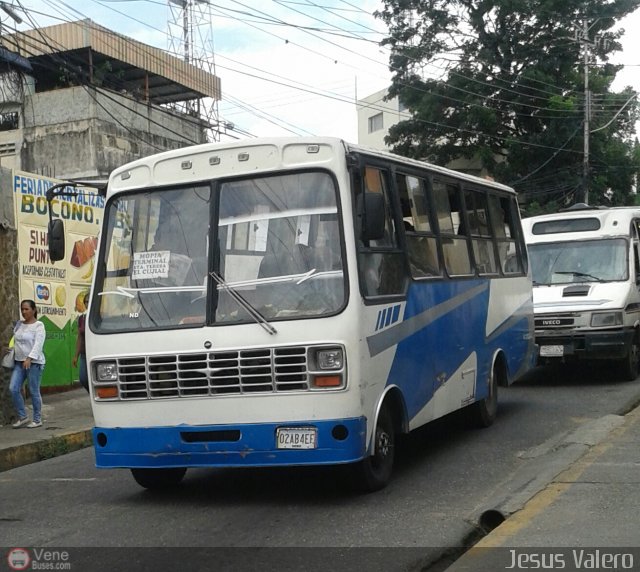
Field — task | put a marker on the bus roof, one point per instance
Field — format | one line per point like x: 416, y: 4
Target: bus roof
x: 145, y: 171
x: 579, y: 224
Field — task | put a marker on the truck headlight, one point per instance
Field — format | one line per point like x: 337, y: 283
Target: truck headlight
x: 107, y: 371
x: 606, y: 319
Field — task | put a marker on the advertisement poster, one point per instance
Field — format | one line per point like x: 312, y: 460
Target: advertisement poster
x: 58, y: 288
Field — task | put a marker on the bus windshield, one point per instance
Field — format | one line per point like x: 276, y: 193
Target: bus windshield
x: 601, y: 260
x: 278, y: 249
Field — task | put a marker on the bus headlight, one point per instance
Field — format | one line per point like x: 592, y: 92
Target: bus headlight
x: 606, y: 319
x: 330, y: 359
x: 107, y: 371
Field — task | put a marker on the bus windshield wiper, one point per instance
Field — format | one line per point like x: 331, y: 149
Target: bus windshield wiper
x: 253, y: 312
x: 580, y: 274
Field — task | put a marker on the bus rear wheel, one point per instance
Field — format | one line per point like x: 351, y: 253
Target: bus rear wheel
x: 159, y: 479
x: 374, y: 472
x: 485, y: 411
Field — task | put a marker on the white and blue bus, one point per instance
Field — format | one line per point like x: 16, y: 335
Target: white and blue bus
x: 297, y: 301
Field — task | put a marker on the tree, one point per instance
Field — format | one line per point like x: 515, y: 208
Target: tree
x: 502, y: 81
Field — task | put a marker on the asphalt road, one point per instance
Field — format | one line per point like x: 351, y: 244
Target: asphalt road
x: 447, y: 476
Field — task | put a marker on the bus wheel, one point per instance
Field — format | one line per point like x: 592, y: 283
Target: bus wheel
x: 158, y: 479
x: 374, y: 472
x: 630, y: 365
x: 485, y: 411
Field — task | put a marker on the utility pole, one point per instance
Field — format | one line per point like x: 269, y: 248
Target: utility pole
x: 587, y: 115
x: 582, y: 36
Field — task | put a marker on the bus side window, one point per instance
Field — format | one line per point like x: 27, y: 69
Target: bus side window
x: 451, y: 223
x: 422, y: 245
x: 636, y: 261
x: 381, y: 261
x: 502, y: 221
x: 480, y: 231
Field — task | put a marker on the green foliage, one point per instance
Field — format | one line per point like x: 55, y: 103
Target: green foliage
x: 503, y: 81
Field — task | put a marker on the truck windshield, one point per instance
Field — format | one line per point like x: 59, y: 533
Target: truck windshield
x: 601, y: 260
x: 277, y: 246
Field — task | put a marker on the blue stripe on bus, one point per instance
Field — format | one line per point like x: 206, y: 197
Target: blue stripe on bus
x: 396, y: 313
x: 158, y: 447
x: 433, y: 343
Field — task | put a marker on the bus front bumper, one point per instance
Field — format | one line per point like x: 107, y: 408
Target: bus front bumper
x: 248, y: 445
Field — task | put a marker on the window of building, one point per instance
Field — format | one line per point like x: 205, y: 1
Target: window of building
x: 8, y: 121
x: 375, y: 123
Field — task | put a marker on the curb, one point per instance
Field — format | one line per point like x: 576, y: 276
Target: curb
x: 26, y: 454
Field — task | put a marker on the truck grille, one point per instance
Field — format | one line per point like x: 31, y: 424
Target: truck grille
x: 265, y: 370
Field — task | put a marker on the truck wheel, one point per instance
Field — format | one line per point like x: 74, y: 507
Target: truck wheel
x: 158, y: 479
x: 485, y: 411
x: 374, y: 472
x: 630, y: 365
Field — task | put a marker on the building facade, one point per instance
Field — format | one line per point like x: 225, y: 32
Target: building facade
x: 76, y: 101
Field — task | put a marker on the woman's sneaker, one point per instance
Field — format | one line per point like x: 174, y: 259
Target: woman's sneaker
x: 20, y: 423
x: 34, y: 424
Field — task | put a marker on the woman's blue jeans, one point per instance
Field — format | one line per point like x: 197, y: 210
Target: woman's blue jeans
x: 33, y: 375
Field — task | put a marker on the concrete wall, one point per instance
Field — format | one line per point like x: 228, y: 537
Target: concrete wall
x: 79, y: 132
x: 9, y: 303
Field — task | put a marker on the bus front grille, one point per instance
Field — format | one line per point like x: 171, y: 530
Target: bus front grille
x: 264, y: 370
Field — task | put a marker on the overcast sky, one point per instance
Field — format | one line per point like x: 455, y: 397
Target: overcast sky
x: 287, y: 66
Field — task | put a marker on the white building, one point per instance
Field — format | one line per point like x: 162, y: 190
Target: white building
x: 375, y: 118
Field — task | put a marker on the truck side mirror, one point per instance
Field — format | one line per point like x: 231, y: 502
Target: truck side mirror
x: 55, y: 236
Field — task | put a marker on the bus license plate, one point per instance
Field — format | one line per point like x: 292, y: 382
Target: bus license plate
x: 551, y: 351
x: 296, y: 437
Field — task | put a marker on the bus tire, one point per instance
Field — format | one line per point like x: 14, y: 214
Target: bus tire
x: 159, y: 479
x: 630, y: 364
x: 485, y: 411
x: 374, y: 472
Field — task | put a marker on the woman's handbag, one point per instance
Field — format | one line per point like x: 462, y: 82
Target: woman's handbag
x: 8, y: 360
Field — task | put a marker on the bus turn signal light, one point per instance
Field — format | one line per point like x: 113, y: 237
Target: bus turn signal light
x: 327, y: 381
x: 108, y: 392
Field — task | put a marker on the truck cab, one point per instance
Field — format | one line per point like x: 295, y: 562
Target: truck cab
x: 586, y: 286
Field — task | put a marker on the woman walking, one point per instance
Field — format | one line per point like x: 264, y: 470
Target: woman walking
x: 29, y: 336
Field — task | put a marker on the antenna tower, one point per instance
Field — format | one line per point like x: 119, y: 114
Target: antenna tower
x: 190, y: 33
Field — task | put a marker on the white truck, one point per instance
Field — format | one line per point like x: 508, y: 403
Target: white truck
x: 586, y: 285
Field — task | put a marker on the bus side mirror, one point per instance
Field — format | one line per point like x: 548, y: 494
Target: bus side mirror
x: 55, y: 234
x: 373, y: 218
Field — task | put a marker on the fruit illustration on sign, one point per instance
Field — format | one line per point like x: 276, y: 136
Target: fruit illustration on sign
x: 61, y: 296
x: 80, y: 307
x: 83, y: 251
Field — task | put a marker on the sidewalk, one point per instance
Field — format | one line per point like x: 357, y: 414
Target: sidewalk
x: 67, y: 424
x: 586, y: 517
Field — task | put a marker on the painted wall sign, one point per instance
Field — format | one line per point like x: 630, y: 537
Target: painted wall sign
x: 57, y: 288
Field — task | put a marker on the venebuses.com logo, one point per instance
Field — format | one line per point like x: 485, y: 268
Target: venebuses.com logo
x: 38, y: 559
x: 18, y: 559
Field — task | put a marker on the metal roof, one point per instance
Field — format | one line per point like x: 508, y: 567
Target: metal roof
x: 132, y: 66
